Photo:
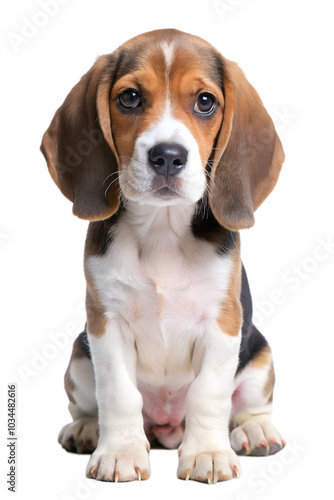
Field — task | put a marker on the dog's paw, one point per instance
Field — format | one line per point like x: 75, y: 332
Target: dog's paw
x: 80, y: 436
x: 256, y: 437
x: 128, y: 464
x: 208, y: 466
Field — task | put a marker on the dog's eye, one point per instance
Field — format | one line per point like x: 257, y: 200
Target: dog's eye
x: 129, y: 98
x: 205, y: 103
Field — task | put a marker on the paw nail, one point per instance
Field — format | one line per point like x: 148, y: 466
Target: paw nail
x: 138, y: 473
x: 273, y: 441
x: 236, y: 472
x: 245, y: 446
x: 263, y: 443
x: 117, y: 476
x: 188, y: 475
x: 209, y: 477
x: 93, y: 470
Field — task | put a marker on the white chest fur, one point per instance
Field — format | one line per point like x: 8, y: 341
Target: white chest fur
x: 165, y: 287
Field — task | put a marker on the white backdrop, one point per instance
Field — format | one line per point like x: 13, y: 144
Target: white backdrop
x: 285, y: 49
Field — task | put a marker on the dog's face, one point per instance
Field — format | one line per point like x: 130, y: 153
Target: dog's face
x: 164, y: 120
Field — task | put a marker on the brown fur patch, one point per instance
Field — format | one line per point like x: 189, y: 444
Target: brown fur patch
x: 264, y: 358
x: 96, y: 320
x: 230, y: 317
x: 98, y: 233
x: 69, y: 384
x: 269, y: 387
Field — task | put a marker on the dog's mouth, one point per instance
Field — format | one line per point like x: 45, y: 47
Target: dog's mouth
x: 166, y: 188
x: 166, y: 192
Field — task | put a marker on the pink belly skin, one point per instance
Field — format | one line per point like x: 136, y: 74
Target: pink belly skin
x: 164, y: 412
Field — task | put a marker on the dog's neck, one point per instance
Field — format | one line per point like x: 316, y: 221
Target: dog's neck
x: 171, y: 222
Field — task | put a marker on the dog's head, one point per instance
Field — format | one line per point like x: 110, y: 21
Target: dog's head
x: 165, y: 119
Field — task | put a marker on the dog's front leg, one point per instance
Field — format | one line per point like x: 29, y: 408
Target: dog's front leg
x: 122, y: 450
x: 205, y: 452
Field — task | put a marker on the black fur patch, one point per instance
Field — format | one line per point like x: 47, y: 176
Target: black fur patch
x: 206, y: 227
x: 83, y: 344
x: 252, y: 341
x: 99, y: 235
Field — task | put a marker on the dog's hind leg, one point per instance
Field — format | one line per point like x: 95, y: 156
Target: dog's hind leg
x: 253, y: 432
x: 81, y: 435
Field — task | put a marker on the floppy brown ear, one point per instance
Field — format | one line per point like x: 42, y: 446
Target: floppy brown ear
x: 79, y: 148
x: 249, y: 154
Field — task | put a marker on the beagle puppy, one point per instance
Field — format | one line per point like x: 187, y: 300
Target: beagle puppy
x: 167, y: 149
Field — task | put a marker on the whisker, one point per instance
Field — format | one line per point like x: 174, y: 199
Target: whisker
x: 113, y: 173
x: 209, y: 190
x: 211, y: 179
x: 112, y: 182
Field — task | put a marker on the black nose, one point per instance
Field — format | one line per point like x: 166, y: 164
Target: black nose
x: 168, y: 159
